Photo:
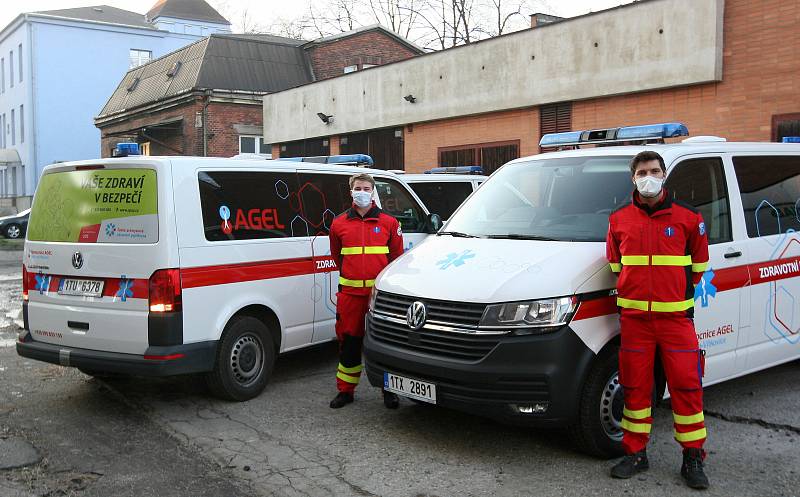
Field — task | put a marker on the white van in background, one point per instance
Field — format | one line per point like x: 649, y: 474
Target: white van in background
x: 443, y: 190
x: 172, y: 265
x: 510, y: 311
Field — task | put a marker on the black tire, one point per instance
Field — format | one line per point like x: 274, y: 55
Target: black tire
x: 245, y: 359
x: 13, y: 231
x: 596, y: 430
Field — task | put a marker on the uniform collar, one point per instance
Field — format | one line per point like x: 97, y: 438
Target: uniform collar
x: 664, y: 205
x: 373, y: 213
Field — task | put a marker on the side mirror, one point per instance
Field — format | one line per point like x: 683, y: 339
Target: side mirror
x: 433, y: 223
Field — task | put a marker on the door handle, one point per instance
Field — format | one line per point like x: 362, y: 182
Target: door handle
x: 731, y: 255
x: 78, y: 325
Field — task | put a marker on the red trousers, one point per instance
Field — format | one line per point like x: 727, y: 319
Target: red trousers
x: 350, y: 313
x: 683, y: 364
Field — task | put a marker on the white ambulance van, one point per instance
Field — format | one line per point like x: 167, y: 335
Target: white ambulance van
x: 510, y: 312
x: 172, y: 265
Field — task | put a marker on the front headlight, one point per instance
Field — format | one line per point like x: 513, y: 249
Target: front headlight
x: 529, y: 317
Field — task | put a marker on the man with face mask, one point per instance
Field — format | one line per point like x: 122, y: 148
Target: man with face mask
x: 364, y: 240
x: 659, y: 248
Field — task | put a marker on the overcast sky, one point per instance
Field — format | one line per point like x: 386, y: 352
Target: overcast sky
x: 262, y: 11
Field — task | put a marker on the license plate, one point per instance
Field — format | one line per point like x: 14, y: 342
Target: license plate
x: 409, y: 387
x: 81, y: 288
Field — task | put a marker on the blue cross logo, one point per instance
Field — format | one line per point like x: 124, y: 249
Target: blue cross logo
x: 454, y: 259
x: 125, y: 291
x: 42, y: 283
x: 705, y: 288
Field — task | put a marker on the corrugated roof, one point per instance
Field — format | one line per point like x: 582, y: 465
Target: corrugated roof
x: 219, y: 62
x: 101, y: 13
x: 197, y: 10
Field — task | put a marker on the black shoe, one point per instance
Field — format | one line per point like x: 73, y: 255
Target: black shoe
x: 692, y: 469
x: 390, y: 400
x: 341, y: 400
x: 630, y: 465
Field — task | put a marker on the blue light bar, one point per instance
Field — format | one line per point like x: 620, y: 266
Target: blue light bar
x: 558, y: 139
x: 791, y: 139
x: 455, y: 170
x: 126, y: 149
x: 361, y: 159
x: 665, y: 130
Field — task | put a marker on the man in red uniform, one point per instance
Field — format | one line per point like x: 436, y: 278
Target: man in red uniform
x: 659, y: 248
x: 364, y: 240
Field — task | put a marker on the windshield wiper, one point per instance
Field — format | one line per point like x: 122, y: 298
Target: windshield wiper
x: 517, y: 236
x: 456, y: 234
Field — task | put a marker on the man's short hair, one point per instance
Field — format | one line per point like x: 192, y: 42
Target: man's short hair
x: 362, y: 177
x: 647, y: 156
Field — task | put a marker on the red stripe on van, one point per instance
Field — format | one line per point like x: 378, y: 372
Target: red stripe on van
x: 249, y: 271
x: 603, y: 306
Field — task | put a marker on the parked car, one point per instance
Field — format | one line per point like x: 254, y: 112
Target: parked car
x: 170, y: 265
x: 443, y: 190
x: 510, y: 311
x: 15, y: 226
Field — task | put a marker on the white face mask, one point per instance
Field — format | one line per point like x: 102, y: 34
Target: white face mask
x: 649, y: 186
x: 362, y: 199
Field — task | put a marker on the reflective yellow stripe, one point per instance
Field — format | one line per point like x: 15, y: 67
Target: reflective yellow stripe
x: 672, y: 260
x: 635, y: 260
x: 356, y: 283
x: 640, y: 414
x: 632, y: 304
x: 348, y: 378
x: 672, y: 306
x: 615, y: 266
x: 376, y: 250
x: 688, y: 420
x: 354, y: 369
x: 699, y: 267
x: 690, y: 436
x: 352, y: 250
x: 635, y: 427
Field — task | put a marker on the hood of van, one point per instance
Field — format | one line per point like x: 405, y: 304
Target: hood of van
x: 487, y: 271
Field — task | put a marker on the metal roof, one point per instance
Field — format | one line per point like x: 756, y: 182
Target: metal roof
x: 196, y: 10
x: 101, y: 13
x: 219, y: 62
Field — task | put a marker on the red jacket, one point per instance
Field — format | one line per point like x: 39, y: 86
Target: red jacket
x: 659, y: 254
x: 362, y: 247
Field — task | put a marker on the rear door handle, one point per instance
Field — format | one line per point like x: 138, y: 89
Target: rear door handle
x: 731, y: 255
x: 78, y: 325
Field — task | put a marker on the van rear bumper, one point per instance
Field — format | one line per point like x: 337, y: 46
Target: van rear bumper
x: 162, y: 361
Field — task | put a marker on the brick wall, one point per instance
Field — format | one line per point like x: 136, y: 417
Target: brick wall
x: 221, y: 118
x: 372, y: 47
x: 422, y: 143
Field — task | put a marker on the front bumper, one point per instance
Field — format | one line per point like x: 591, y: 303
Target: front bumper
x: 517, y: 371
x: 170, y: 360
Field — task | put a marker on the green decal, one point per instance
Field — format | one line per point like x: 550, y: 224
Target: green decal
x: 71, y: 201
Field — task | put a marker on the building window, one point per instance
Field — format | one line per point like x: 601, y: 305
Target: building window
x: 490, y: 156
x: 785, y: 125
x: 349, y: 69
x: 555, y: 118
x: 385, y: 146
x: 248, y: 143
x: 139, y: 57
x: 19, y: 61
x: 2, y: 75
x: 3, y: 130
x: 11, y: 69
x: 22, y: 124
x: 305, y: 148
x: 365, y: 66
x: 13, y: 129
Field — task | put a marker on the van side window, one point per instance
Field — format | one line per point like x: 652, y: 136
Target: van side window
x: 248, y: 205
x: 770, y: 187
x: 397, y: 202
x: 442, y: 198
x: 322, y: 197
x: 701, y: 184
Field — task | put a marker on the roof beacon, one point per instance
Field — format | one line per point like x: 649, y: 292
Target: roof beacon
x: 352, y: 159
x: 126, y: 149
x: 455, y: 170
x: 649, y: 133
x: 791, y: 139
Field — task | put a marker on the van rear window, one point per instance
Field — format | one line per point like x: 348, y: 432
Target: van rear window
x: 96, y: 206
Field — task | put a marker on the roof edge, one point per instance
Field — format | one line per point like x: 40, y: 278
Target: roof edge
x: 364, y: 29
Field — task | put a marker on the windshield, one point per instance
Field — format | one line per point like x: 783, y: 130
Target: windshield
x: 565, y: 199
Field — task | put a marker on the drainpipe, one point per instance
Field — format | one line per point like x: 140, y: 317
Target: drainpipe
x: 207, y: 95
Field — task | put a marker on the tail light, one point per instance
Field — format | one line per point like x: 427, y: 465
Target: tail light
x: 165, y: 290
x: 24, y: 283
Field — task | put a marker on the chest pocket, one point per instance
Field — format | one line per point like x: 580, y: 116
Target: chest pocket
x: 631, y: 239
x: 377, y: 240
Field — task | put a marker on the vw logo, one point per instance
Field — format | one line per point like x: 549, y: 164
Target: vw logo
x: 77, y: 260
x: 416, y: 315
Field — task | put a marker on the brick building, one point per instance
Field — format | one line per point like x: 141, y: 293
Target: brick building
x: 722, y: 67
x: 206, y: 98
